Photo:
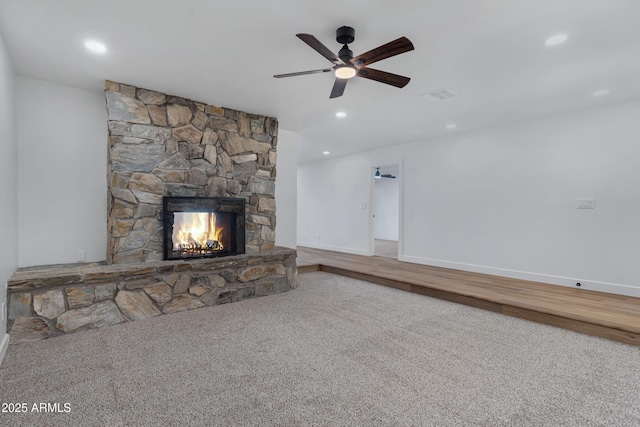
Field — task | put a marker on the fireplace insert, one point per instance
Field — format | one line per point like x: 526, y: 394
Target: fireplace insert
x: 203, y: 227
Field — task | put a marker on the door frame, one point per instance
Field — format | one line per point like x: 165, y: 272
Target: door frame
x: 372, y: 188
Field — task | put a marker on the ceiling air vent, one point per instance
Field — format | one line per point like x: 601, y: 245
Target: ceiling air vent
x: 438, y: 95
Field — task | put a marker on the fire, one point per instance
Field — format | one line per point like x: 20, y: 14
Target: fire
x: 196, y: 231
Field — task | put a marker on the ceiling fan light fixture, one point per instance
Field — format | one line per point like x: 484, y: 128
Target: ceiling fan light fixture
x: 345, y: 72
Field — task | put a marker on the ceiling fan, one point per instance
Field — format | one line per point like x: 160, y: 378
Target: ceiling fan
x: 346, y: 66
x: 382, y: 175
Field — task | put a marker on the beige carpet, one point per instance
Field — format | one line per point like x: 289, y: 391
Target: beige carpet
x: 386, y: 248
x: 336, y: 351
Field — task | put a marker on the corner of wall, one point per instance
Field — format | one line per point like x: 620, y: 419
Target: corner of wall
x: 8, y: 186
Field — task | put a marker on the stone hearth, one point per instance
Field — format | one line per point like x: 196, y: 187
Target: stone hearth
x: 56, y: 300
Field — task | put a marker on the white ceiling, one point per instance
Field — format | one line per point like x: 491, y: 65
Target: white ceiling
x: 491, y: 53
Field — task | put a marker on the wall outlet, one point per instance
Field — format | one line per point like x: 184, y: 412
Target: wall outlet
x: 586, y: 204
x: 81, y: 255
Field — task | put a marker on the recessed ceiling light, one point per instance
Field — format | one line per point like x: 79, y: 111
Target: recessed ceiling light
x: 452, y: 126
x: 557, y: 39
x: 326, y: 153
x: 95, y: 46
x: 341, y: 114
x: 601, y: 92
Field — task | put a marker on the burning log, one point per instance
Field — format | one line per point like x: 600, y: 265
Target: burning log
x: 196, y: 248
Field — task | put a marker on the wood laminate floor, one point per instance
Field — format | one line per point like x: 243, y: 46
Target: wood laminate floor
x: 610, y: 316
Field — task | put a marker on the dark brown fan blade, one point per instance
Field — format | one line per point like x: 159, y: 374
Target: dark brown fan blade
x: 302, y: 73
x: 393, y: 48
x: 338, y: 88
x: 383, y: 77
x: 320, y: 48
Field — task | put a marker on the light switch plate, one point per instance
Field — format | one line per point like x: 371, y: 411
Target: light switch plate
x: 586, y: 204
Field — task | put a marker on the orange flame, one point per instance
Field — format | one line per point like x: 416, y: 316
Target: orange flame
x: 196, y: 230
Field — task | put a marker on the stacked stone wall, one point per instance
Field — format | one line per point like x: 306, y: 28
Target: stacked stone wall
x: 161, y: 145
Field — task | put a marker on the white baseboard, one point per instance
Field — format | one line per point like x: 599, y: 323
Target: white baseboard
x: 612, y: 288
x: 4, y: 344
x: 334, y: 248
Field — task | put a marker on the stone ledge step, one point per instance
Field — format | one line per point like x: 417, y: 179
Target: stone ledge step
x: 57, y: 300
x: 26, y: 279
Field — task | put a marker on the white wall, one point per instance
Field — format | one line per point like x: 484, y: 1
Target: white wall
x: 500, y: 200
x: 385, y: 209
x: 333, y: 203
x: 8, y: 186
x: 286, y: 188
x: 62, y: 161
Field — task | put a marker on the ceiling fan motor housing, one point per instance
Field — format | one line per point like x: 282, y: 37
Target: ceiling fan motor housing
x: 345, y: 35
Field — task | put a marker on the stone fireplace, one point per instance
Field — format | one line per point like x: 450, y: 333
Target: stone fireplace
x: 161, y: 145
x: 191, y: 220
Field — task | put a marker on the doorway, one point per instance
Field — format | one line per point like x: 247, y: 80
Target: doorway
x: 386, y: 210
